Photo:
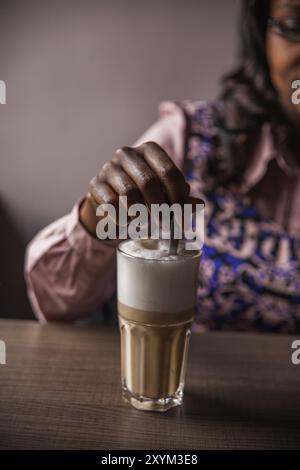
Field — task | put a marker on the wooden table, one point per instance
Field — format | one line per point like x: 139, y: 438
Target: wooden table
x: 60, y: 389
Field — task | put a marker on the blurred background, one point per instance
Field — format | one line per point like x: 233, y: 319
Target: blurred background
x: 84, y: 77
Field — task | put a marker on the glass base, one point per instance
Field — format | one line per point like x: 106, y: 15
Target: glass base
x: 153, y: 404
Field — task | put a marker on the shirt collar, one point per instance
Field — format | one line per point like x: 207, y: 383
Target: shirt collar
x: 264, y: 153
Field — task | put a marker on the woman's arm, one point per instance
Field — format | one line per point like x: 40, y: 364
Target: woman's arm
x: 69, y: 272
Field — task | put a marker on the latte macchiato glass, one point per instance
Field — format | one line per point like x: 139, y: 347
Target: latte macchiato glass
x: 156, y: 305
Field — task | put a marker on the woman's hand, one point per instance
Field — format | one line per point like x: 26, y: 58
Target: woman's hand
x: 145, y: 174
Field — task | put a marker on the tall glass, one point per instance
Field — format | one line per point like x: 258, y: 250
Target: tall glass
x: 156, y: 304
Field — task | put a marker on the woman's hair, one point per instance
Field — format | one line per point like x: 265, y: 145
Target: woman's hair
x: 248, y: 95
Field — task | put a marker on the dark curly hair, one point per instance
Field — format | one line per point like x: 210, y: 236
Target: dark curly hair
x: 249, y: 97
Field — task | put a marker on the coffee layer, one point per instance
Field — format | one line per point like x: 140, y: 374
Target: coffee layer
x: 155, y: 318
x: 153, y: 358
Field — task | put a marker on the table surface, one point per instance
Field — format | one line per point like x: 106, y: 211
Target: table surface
x: 60, y: 389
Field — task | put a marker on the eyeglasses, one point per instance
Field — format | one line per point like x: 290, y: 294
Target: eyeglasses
x: 288, y: 28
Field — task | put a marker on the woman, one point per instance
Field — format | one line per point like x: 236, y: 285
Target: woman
x: 242, y: 155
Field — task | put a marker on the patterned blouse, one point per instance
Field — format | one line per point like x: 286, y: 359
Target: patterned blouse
x: 250, y: 268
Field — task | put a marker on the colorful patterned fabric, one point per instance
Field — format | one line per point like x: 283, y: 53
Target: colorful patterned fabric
x: 250, y: 268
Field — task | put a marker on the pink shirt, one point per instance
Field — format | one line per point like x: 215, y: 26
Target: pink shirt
x: 70, y: 274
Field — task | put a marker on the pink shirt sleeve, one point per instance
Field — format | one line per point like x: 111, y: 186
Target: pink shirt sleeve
x: 68, y: 272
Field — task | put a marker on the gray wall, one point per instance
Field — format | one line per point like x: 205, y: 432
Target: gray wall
x: 84, y: 77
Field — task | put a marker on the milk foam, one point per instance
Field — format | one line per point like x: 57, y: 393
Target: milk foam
x: 152, y: 280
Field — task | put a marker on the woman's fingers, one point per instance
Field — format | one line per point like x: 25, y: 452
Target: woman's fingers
x: 133, y: 163
x: 167, y: 172
x: 102, y: 192
x: 113, y: 174
x: 145, y: 174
